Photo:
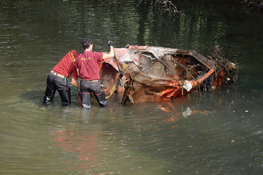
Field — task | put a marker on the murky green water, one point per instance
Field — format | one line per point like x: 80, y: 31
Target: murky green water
x: 218, y: 132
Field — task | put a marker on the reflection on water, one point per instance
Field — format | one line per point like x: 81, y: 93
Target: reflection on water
x: 218, y: 132
x: 190, y: 135
x: 85, y: 144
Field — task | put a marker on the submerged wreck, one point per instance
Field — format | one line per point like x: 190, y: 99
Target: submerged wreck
x: 149, y: 73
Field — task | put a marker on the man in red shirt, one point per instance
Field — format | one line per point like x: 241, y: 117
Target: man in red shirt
x: 88, y: 70
x: 58, y: 79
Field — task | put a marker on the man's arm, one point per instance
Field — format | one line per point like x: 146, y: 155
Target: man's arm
x: 111, y: 53
x: 77, y: 72
x: 74, y: 82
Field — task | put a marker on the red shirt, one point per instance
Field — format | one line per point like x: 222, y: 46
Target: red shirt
x: 87, y: 63
x: 66, y: 66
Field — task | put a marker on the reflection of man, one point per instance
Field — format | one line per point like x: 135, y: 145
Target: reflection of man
x: 85, y: 143
x: 58, y: 79
x: 88, y: 71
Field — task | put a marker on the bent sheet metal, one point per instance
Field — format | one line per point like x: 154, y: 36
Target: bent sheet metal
x: 149, y: 73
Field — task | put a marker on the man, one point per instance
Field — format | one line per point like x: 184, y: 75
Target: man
x: 88, y: 71
x: 58, y: 79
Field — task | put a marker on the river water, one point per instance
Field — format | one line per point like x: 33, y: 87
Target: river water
x: 216, y: 132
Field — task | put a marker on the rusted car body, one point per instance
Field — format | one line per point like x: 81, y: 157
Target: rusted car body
x: 149, y: 73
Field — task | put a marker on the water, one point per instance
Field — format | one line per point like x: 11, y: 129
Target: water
x: 217, y: 132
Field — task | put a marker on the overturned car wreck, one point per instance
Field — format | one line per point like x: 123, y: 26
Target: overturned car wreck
x: 148, y: 73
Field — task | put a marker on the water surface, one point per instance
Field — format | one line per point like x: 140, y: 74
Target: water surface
x: 217, y: 132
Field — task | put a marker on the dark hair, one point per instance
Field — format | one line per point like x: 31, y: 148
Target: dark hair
x: 86, y: 42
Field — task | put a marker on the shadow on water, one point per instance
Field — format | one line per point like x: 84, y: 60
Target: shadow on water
x: 37, y: 96
x: 33, y: 96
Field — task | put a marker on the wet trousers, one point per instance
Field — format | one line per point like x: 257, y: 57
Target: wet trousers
x: 61, y: 85
x: 89, y: 87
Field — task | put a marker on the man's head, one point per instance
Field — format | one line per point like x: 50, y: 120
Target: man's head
x: 86, y: 42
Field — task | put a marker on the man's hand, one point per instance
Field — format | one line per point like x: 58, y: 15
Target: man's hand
x: 74, y: 82
x: 110, y: 43
x: 111, y: 53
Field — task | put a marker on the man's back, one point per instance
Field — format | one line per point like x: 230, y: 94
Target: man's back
x: 87, y: 63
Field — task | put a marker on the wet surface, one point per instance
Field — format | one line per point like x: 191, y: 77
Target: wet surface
x: 218, y: 132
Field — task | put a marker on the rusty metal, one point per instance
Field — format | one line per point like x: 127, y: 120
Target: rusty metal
x: 157, y: 73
